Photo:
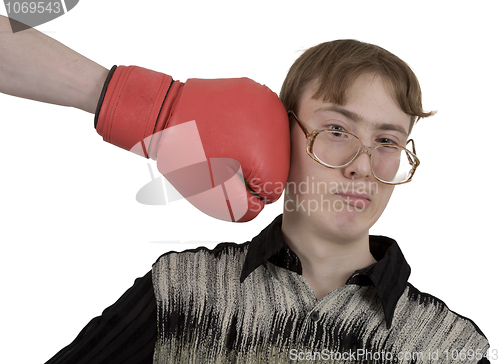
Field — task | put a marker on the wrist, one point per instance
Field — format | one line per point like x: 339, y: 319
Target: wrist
x: 91, y: 88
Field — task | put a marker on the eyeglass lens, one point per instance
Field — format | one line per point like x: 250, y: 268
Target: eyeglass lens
x: 389, y: 163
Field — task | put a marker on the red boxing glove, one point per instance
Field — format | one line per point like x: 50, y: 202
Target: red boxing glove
x: 224, y: 144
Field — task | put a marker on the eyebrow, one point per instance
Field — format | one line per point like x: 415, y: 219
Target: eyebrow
x: 358, y: 119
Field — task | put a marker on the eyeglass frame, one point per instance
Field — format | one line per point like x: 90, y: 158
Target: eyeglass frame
x: 364, y: 149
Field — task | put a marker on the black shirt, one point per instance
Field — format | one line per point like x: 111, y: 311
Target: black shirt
x: 248, y: 303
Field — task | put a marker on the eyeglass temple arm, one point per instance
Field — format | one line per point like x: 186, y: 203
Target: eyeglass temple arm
x: 414, y: 152
x: 412, y: 145
x: 306, y: 133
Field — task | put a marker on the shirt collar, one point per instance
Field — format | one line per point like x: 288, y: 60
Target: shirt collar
x: 388, y: 275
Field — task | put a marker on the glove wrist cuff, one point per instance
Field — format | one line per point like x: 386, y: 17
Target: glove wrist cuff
x: 103, y: 92
x: 132, y: 99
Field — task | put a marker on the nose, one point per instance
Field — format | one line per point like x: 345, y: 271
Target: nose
x: 360, y: 167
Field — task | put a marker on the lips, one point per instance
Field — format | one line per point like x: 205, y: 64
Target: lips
x: 359, y: 200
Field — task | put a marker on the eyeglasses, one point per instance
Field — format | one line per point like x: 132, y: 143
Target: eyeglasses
x: 390, y: 163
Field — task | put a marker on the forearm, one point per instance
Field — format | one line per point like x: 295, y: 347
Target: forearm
x: 37, y: 67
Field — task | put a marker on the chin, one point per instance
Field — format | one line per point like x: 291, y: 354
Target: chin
x: 341, y: 225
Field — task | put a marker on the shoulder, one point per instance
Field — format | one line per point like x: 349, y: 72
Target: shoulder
x: 221, y: 251
x: 428, y: 316
x: 225, y: 258
x: 200, y: 273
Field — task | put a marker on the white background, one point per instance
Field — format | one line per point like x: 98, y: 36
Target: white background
x: 73, y: 238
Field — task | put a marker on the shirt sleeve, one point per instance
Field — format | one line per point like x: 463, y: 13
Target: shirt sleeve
x: 125, y: 333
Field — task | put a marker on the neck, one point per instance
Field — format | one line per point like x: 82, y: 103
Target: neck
x: 327, y: 262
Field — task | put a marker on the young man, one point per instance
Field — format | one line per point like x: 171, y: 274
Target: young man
x: 313, y: 286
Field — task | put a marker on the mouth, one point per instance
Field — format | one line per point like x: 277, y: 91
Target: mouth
x: 358, y: 200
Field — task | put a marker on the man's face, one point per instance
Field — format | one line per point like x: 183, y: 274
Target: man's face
x: 344, y: 203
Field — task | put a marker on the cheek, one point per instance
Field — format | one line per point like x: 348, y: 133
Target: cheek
x: 384, y: 194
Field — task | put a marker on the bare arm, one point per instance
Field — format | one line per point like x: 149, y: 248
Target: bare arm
x: 37, y: 67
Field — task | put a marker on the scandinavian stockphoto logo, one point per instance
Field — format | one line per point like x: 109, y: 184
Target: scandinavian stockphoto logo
x: 28, y: 14
x: 216, y: 185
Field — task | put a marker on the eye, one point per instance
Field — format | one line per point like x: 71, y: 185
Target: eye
x: 337, y: 135
x: 387, y: 141
x: 336, y: 127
